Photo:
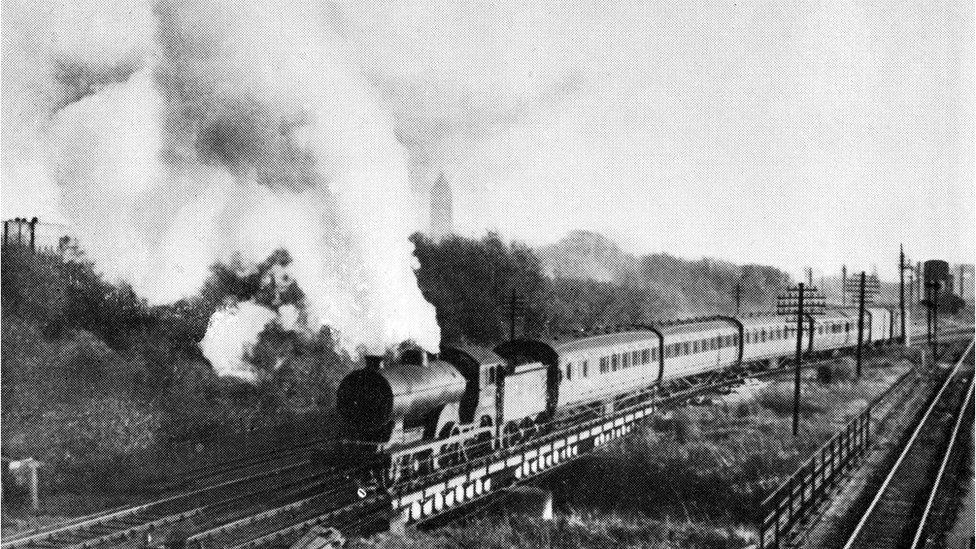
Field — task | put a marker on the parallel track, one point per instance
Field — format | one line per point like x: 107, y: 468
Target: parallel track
x: 898, y: 513
x: 132, y: 522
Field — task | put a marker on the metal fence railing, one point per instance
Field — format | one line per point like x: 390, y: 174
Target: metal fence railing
x: 799, y: 495
x: 810, y: 484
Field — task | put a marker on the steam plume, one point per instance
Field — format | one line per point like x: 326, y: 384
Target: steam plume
x: 230, y: 128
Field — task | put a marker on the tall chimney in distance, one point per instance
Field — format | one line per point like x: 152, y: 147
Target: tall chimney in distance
x: 441, y: 209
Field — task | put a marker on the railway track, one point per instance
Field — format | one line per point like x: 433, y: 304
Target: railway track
x: 900, y: 512
x: 249, y: 510
x: 368, y: 510
x: 198, y: 505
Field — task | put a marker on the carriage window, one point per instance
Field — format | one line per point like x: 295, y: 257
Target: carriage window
x: 569, y: 370
x: 635, y: 358
x: 586, y: 368
x: 686, y: 348
x: 646, y: 355
x: 615, y: 362
x: 625, y: 361
x: 654, y: 354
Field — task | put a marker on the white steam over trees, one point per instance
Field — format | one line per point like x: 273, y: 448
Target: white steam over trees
x: 220, y: 129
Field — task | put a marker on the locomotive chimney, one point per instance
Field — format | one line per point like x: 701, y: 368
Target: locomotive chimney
x: 416, y: 356
x: 373, y: 362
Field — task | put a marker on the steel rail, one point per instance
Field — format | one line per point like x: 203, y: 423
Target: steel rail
x: 70, y: 529
x: 942, y: 468
x: 908, y: 446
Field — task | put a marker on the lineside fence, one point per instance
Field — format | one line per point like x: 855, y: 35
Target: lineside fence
x: 811, y: 483
x: 798, y: 496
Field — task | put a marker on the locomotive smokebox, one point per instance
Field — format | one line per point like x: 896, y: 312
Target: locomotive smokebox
x: 371, y: 398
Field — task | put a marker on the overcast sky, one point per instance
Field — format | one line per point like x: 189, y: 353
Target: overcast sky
x: 787, y: 133
x: 790, y: 133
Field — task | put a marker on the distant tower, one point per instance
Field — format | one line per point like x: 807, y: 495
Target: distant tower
x: 441, y: 209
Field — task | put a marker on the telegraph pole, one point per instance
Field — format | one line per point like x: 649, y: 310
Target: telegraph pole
x: 516, y: 307
x: 962, y: 294
x: 934, y: 323
x: 738, y: 298
x: 860, y: 325
x: 865, y: 287
x: 901, y: 290
x: 799, y: 353
x: 794, y: 302
x: 918, y: 276
x: 843, y: 285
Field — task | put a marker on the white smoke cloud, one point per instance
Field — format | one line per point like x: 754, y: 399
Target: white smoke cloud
x: 212, y: 129
x: 231, y: 334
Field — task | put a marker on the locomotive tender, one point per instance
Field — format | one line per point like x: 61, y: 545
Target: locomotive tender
x: 427, y: 412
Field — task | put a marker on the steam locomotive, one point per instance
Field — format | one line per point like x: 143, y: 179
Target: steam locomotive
x: 432, y: 412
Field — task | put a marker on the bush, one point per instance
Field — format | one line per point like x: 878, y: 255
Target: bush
x: 837, y: 370
x: 84, y: 444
